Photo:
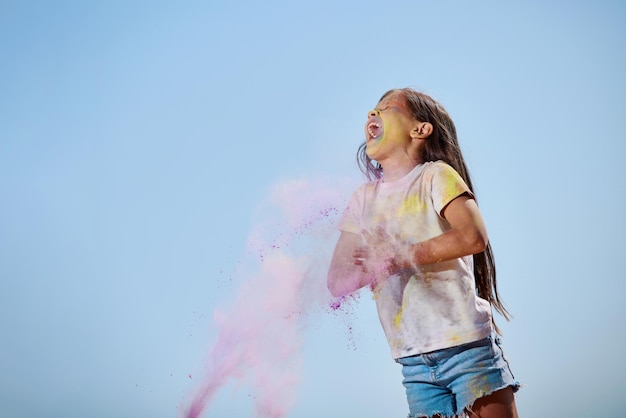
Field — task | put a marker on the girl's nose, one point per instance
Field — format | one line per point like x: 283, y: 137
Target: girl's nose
x: 373, y: 113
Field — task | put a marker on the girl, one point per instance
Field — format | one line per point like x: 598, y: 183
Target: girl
x: 415, y: 235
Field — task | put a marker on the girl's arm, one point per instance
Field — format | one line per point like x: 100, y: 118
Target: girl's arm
x: 352, y: 261
x: 467, y: 235
x: 346, y: 274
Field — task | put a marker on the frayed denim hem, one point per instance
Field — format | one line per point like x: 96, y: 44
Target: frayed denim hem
x: 463, y: 415
x: 466, y: 412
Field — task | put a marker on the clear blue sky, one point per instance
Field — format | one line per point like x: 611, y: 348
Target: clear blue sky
x: 139, y: 138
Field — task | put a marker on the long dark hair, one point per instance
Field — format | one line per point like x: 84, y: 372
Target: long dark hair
x: 442, y: 145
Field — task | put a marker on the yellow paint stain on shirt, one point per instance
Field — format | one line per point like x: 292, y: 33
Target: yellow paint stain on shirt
x: 411, y: 205
x: 397, y: 320
x: 450, y: 187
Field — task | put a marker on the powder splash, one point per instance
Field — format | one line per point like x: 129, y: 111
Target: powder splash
x: 259, y: 336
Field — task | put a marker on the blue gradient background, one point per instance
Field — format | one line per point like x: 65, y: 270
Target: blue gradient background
x: 137, y: 137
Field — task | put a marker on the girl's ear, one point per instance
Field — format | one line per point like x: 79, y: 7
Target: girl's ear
x: 422, y: 130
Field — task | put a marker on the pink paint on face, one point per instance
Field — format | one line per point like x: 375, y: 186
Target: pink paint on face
x: 259, y: 338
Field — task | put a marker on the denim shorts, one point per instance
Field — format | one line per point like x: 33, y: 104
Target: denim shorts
x: 447, y: 381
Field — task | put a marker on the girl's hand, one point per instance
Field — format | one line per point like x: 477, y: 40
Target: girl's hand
x: 346, y: 273
x: 381, y: 257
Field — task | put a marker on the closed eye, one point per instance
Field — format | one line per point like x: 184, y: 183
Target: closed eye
x: 382, y: 109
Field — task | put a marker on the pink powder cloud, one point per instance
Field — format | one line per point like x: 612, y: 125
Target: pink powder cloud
x: 260, y: 335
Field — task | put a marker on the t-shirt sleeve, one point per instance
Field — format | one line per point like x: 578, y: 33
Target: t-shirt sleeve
x: 351, y: 219
x: 447, y: 185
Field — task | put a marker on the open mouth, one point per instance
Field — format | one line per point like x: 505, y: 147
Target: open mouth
x: 374, y: 130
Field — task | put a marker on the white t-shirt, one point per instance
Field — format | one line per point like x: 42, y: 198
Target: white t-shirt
x: 436, y: 306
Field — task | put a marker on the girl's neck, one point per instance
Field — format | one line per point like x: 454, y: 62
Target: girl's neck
x: 395, y: 170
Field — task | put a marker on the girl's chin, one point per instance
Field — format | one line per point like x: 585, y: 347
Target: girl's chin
x: 371, y: 154
x: 371, y: 146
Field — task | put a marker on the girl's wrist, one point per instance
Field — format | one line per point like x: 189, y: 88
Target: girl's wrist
x: 419, y: 254
x: 405, y: 258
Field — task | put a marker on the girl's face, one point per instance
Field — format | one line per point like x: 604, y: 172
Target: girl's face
x: 388, y: 128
